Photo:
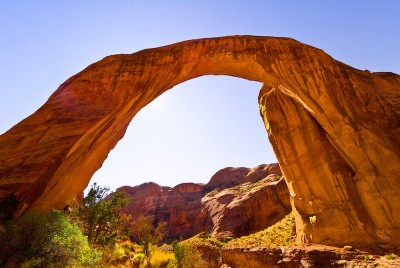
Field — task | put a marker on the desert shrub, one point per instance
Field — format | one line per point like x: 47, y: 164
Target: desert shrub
x: 179, y: 253
x: 148, y: 234
x: 46, y: 240
x: 391, y: 256
x: 139, y: 258
x: 99, y: 215
x: 188, y: 256
x: 201, y: 252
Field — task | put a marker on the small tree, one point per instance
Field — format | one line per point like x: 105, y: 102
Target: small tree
x: 147, y: 234
x: 187, y: 255
x: 101, y: 218
x: 179, y: 253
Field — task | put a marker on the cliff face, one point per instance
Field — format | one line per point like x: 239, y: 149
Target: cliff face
x: 334, y: 129
x: 180, y: 207
x: 250, y: 203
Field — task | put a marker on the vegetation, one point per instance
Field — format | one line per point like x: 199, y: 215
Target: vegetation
x: 46, y: 240
x: 148, y: 234
x: 162, y: 258
x: 96, y: 234
x: 84, y: 237
x: 100, y: 219
x: 179, y: 253
x: 201, y: 250
x: 280, y: 234
x: 391, y: 256
x: 187, y: 255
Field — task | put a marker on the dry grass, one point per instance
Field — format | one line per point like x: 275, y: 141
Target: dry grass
x: 204, y: 250
x: 203, y: 240
x: 280, y: 234
x: 162, y: 258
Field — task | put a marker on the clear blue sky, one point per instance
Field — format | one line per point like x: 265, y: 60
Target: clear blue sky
x: 199, y: 126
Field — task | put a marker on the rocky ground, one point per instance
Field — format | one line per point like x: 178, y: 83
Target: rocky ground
x: 309, y: 256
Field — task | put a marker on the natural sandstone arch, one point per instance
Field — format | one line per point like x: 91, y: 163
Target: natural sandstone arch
x: 334, y: 129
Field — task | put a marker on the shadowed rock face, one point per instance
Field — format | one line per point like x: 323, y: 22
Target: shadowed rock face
x: 334, y: 129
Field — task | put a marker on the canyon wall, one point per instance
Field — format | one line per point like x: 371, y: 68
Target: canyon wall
x: 235, y: 202
x: 334, y: 129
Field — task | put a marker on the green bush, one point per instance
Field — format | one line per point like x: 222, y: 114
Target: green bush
x: 391, y: 256
x: 189, y: 256
x: 99, y: 214
x: 179, y: 253
x: 46, y: 240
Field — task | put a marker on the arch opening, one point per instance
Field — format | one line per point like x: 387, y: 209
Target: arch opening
x: 331, y: 127
x: 189, y: 133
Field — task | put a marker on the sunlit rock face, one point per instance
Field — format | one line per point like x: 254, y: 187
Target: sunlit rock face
x: 244, y: 201
x: 334, y: 129
x: 179, y: 207
x: 236, y: 202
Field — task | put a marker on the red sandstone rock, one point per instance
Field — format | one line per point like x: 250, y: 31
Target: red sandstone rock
x: 180, y: 207
x: 313, y: 256
x: 258, y: 199
x: 335, y: 130
x: 230, y: 176
x: 248, y: 207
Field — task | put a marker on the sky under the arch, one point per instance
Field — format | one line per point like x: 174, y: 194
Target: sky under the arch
x: 201, y: 125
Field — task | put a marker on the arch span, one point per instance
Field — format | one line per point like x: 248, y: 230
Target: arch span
x: 334, y: 129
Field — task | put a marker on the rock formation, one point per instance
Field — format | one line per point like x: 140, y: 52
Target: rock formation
x: 180, y: 207
x: 236, y: 202
x: 304, y: 257
x: 250, y: 202
x: 334, y: 129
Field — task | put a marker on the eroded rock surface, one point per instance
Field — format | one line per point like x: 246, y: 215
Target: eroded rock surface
x: 334, y: 129
x: 255, y: 199
x: 313, y: 256
x: 259, y: 202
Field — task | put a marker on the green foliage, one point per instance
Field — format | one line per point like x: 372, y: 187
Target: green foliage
x: 46, y: 240
x: 101, y: 219
x: 148, y: 234
x: 188, y: 255
x: 202, y: 250
x: 139, y: 258
x: 280, y: 234
x: 179, y: 253
x: 204, y: 240
x: 391, y: 256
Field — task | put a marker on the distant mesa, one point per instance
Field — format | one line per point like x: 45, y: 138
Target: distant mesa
x: 335, y: 130
x: 231, y: 204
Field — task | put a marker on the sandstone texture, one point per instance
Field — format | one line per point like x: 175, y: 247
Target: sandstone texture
x: 334, y: 129
x: 313, y: 256
x: 180, y: 207
x: 239, y: 203
x: 259, y: 202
